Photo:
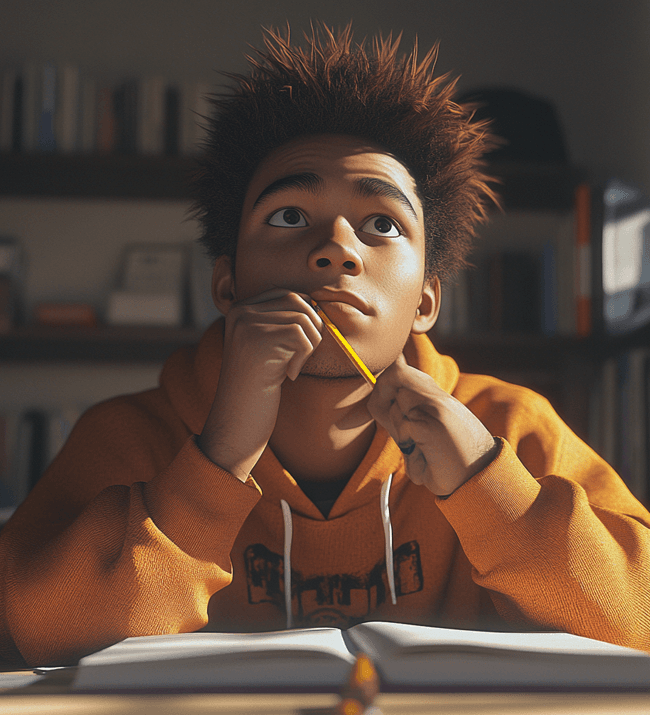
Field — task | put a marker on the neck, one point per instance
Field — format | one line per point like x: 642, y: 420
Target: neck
x: 323, y: 429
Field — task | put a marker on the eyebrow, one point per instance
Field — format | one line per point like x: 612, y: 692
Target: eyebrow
x: 379, y: 187
x: 314, y: 184
x: 307, y: 181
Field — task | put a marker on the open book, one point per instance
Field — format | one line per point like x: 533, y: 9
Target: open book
x: 406, y: 656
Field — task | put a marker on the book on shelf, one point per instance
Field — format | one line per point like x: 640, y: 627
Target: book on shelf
x: 105, y: 139
x: 621, y: 407
x: 150, y: 115
x: 8, y: 108
x: 194, y: 106
x: 406, y: 657
x: 67, y: 109
x: 152, y: 286
x: 520, y: 279
x: 11, y: 283
x: 29, y: 440
x: 579, y: 273
x: 125, y: 103
x: 87, y: 131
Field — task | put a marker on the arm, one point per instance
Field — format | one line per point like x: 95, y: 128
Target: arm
x: 130, y: 531
x: 551, y: 531
x: 87, y: 561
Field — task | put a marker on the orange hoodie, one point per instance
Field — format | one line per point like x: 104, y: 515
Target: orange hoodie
x: 133, y: 531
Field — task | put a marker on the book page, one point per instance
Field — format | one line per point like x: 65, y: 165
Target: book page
x: 398, y: 639
x: 308, y: 658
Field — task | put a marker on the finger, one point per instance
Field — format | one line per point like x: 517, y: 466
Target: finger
x: 279, y: 299
x: 380, y: 402
x: 420, y: 405
x: 290, y: 318
x: 400, y: 431
x: 265, y: 296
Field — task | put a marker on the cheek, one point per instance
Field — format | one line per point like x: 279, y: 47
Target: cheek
x: 258, y: 267
x: 402, y: 278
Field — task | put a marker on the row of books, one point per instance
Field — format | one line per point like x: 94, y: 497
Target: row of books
x: 57, y: 107
x: 29, y: 441
x: 620, y: 421
x: 505, y: 291
x: 578, y: 273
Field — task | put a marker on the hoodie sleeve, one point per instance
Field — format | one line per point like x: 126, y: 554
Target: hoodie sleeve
x: 551, y: 530
x: 128, y: 533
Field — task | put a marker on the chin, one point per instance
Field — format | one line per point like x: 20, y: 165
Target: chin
x: 320, y: 370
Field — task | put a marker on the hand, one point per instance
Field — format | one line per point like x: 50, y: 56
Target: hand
x: 267, y: 339
x: 448, y: 444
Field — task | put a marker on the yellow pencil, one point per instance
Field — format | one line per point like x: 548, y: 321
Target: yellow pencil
x: 345, y: 345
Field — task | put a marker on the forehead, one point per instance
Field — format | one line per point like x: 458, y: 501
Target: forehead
x: 332, y: 157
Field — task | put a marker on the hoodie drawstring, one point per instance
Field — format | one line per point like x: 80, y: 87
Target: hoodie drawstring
x: 388, y: 542
x: 388, y: 536
x: 288, y: 535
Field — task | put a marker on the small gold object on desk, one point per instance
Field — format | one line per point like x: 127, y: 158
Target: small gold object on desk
x: 361, y: 689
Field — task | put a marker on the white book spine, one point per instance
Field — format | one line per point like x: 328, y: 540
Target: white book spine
x: 67, y: 108
x: 194, y: 107
x: 151, y: 115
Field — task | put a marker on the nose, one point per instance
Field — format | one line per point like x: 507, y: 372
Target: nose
x: 337, y: 250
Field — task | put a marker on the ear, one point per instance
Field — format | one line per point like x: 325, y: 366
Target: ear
x: 223, y: 284
x: 428, y: 309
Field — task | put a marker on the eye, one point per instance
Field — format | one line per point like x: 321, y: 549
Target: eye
x: 381, y: 226
x: 287, y: 218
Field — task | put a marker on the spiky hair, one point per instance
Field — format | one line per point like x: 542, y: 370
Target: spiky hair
x: 336, y: 86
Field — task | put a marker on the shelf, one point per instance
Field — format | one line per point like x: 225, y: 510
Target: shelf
x: 88, y: 176
x: 525, y: 186
x: 106, y: 344
x: 507, y: 353
x: 134, y: 344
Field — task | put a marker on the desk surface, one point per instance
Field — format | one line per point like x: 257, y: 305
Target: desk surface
x: 22, y: 694
x: 389, y: 704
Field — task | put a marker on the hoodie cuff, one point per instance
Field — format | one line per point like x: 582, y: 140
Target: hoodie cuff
x: 496, y: 497
x: 198, y: 505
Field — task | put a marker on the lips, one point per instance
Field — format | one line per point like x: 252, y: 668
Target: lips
x: 340, y: 296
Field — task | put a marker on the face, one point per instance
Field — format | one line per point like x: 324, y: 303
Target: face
x: 339, y: 219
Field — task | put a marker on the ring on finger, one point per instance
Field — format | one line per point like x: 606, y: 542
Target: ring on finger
x: 406, y: 447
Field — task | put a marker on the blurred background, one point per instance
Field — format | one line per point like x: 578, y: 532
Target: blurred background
x: 592, y: 59
x: 83, y: 218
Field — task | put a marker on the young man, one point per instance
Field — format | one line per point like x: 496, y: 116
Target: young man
x: 264, y: 483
